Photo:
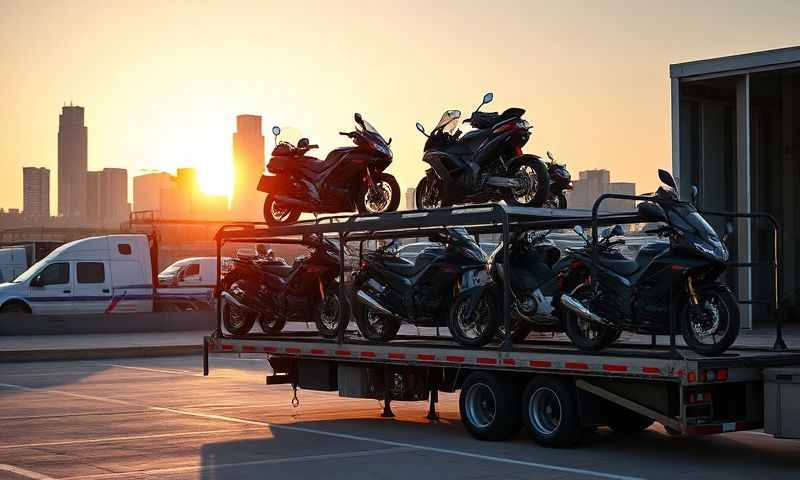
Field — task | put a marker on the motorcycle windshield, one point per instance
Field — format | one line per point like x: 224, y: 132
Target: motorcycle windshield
x: 686, y: 218
x: 449, y: 121
x: 368, y: 128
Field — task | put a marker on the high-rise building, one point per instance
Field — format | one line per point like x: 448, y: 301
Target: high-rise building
x: 94, y: 199
x: 147, y: 191
x: 36, y: 192
x: 248, y: 166
x: 114, y: 206
x: 72, y: 162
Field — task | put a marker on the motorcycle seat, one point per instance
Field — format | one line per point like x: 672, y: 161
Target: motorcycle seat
x: 278, y: 269
x: 619, y: 264
x: 316, y: 165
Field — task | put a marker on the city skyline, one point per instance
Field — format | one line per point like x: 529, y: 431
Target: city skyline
x: 170, y: 98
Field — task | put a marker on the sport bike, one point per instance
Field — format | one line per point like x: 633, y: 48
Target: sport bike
x: 389, y: 289
x: 350, y: 178
x: 680, y: 278
x: 268, y: 290
x: 483, y: 165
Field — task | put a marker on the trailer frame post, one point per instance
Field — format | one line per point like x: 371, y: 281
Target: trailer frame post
x: 343, y: 323
x: 507, y: 344
x: 433, y: 386
x: 387, y: 394
x: 205, y: 356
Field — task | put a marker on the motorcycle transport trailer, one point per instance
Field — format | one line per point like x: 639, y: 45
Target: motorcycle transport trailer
x: 550, y: 386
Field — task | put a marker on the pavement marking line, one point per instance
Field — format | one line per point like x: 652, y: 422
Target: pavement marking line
x: 543, y: 466
x: 120, y: 439
x: 23, y: 472
x: 63, y: 415
x: 157, y: 370
x: 204, y: 468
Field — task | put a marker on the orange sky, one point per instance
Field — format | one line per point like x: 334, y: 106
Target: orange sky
x: 162, y: 81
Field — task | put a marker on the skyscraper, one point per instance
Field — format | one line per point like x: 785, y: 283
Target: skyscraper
x: 36, y: 192
x: 248, y: 166
x: 72, y: 163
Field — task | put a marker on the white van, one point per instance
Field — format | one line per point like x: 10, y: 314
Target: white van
x: 13, y: 261
x: 108, y: 274
x: 191, y: 272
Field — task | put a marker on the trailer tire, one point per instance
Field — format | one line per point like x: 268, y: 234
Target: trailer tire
x: 489, y: 407
x: 550, y: 411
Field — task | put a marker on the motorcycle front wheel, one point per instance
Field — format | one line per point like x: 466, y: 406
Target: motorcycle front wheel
x: 477, y: 328
x: 332, y: 311
x: 534, y: 183
x: 429, y: 194
x: 711, y: 326
x: 384, y: 196
x: 277, y: 215
x: 587, y: 335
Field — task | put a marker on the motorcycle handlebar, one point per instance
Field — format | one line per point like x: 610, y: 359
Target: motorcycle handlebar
x: 346, y: 134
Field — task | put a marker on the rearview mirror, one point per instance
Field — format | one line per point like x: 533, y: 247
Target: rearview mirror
x: 666, y: 178
x: 729, y: 229
x: 488, y: 98
x: 550, y: 156
x: 421, y: 129
x: 358, y: 119
x: 579, y: 230
x: 276, y: 130
x: 617, y: 231
x: 695, y: 192
x: 37, y: 281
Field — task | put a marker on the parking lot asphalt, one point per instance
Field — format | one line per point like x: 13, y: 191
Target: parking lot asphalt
x: 161, y: 419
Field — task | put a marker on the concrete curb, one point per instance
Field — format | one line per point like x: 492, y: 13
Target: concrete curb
x: 52, y: 355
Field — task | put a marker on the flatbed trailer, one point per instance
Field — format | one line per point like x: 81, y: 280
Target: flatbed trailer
x: 551, y: 387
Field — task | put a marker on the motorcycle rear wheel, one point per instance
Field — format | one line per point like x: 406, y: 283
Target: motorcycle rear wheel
x: 237, y: 321
x: 375, y: 326
x: 480, y: 327
x: 586, y: 335
x: 533, y: 173
x: 277, y: 215
x: 376, y: 201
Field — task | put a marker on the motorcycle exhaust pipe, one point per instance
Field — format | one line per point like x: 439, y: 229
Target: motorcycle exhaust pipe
x: 580, y: 310
x: 365, y: 298
x: 230, y: 298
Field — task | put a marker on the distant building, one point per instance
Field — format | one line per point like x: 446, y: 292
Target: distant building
x: 592, y: 183
x: 147, y: 191
x: 94, y: 198
x: 248, y: 166
x: 36, y: 192
x: 183, y: 200
x: 72, y: 162
x: 114, y: 207
x: 411, y: 198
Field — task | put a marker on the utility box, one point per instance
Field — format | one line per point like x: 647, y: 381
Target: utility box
x: 782, y: 402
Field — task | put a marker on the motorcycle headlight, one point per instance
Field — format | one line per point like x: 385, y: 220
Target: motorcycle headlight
x: 717, y: 251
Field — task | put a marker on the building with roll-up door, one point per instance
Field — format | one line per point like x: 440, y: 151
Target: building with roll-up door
x: 736, y: 135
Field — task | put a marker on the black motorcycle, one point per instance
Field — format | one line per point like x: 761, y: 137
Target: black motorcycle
x: 536, y: 285
x: 266, y: 289
x: 680, y: 277
x: 389, y: 289
x: 350, y: 178
x: 485, y: 164
x: 560, y: 182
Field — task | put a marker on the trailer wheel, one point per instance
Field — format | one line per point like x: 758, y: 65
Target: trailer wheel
x: 489, y: 407
x: 550, y: 411
x: 626, y: 422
